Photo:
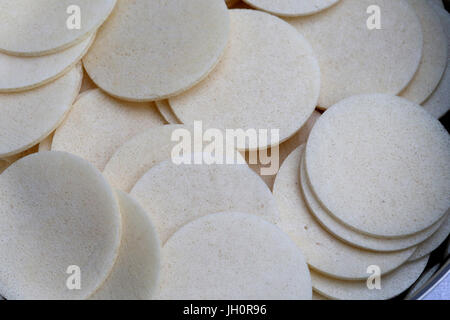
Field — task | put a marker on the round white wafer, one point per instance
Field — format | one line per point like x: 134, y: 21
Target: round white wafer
x: 166, y: 112
x: 58, y: 214
x: 427, y: 275
x: 392, y: 284
x: 433, y: 242
x: 135, y: 274
x: 176, y: 44
x: 177, y: 194
x: 98, y: 124
x: 258, y: 84
x: 233, y: 256
x: 438, y: 3
x: 380, y: 164
x: 6, y: 162
x: 19, y: 73
x: 356, y: 60
x: 355, y: 238
x: 41, y: 27
x: 28, y: 117
x: 291, y: 8
x: 434, y: 58
x: 438, y: 103
x: 323, y: 251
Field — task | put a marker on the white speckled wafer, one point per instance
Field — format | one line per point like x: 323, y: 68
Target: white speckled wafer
x: 177, y: 194
x: 233, y: 256
x: 258, y: 84
x: 175, y: 44
x: 356, y: 60
x: 380, y: 164
x: 135, y: 274
x: 392, y: 284
x: 98, y: 124
x: 353, y: 237
x: 28, y: 117
x: 434, y: 58
x: 322, y: 250
x: 438, y: 103
x: 433, y: 242
x: 20, y: 74
x: 36, y: 28
x: 291, y: 8
x: 56, y: 211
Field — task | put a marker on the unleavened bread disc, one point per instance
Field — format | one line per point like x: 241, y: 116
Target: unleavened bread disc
x: 233, y: 255
x: 41, y: 27
x: 349, y: 53
x: 380, y: 164
x: 392, y: 284
x: 29, y: 117
x: 323, y: 251
x: 135, y: 274
x: 57, y: 215
x: 258, y: 84
x: 176, y: 44
x: 174, y: 194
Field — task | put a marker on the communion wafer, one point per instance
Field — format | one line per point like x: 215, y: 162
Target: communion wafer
x: 433, y: 242
x: 177, y: 194
x: 434, y: 58
x: 258, y: 84
x: 353, y: 237
x: 57, y: 213
x: 322, y: 251
x: 28, y: 117
x: 437, y: 104
x: 392, y: 284
x: 349, y: 53
x: 291, y: 8
x: 175, y: 45
x: 20, y: 74
x: 379, y: 164
x: 166, y: 112
x: 136, y: 271
x: 233, y: 256
x: 439, y: 3
x: 36, y: 28
x: 98, y: 124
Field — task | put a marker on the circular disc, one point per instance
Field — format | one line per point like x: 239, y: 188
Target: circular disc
x: 56, y: 211
x: 177, y: 44
x: 28, y: 117
x: 380, y: 164
x: 356, y: 60
x: 135, y: 273
x: 433, y: 242
x: 233, y: 256
x: 176, y: 194
x: 98, y: 124
x: 323, y: 251
x: 41, y: 27
x: 19, y: 74
x: 434, y: 59
x: 258, y: 84
x: 392, y: 284
x: 355, y: 238
x: 437, y: 104
x: 291, y: 8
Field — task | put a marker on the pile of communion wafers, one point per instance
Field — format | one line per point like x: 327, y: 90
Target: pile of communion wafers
x: 93, y: 205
